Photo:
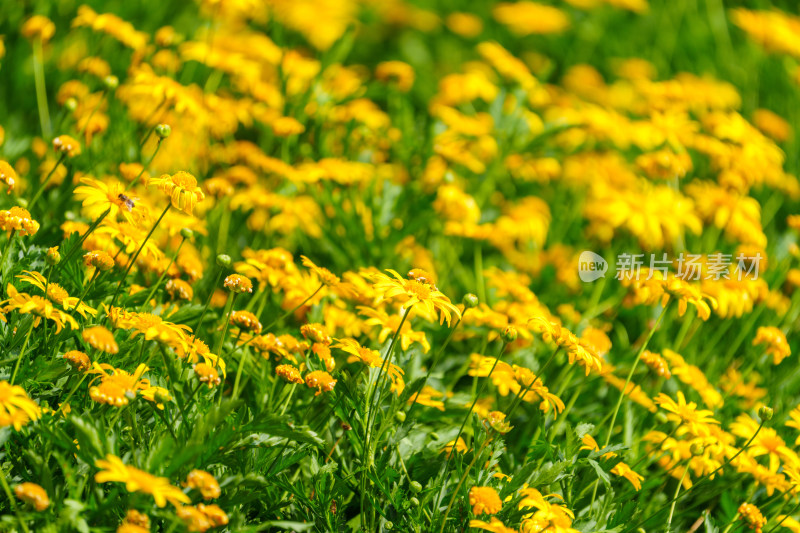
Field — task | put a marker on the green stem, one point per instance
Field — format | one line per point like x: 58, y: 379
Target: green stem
x: 136, y: 256
x: 88, y: 232
x: 11, y: 501
x: 41, y: 92
x: 22, y: 352
x: 43, y: 185
x: 145, y: 165
x: 291, y: 311
x: 675, y: 498
x: 435, y: 361
x: 71, y: 393
x: 787, y: 515
x: 163, y: 274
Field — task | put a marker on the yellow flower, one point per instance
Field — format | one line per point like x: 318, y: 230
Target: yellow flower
x: 79, y: 360
x: 38, y: 306
x: 113, y: 469
x: 328, y: 278
x: 415, y: 291
x: 752, y: 517
x: 238, y: 283
x: 16, y: 409
x: 289, y: 373
x: 245, y: 321
x: 101, y: 339
x: 96, y: 197
x: 33, y: 494
x: 117, y: 387
x: 208, y: 374
x: 8, y: 176
x: 56, y: 294
x: 623, y: 470
x: 204, y: 482
x: 426, y: 397
x: 494, y: 525
x: 179, y: 289
x: 182, y: 189
x: 64, y: 144
x: 464, y: 24
x: 696, y: 420
x: 322, y: 381
x: 484, y: 500
x: 38, y: 27
x: 777, y: 346
x: 18, y: 219
x: 389, y: 325
x: 397, y: 72
x: 287, y: 126
x: 525, y: 18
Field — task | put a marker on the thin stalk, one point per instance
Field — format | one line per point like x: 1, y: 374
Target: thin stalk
x: 434, y: 362
x: 164, y: 274
x: 675, y: 498
x: 22, y: 353
x: 291, y: 311
x: 145, y: 165
x: 43, y: 185
x: 41, y: 91
x: 642, y: 348
x: 136, y: 256
x: 88, y: 232
x: 11, y: 500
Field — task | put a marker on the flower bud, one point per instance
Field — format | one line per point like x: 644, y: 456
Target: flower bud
x: 416, y: 487
x: 163, y: 131
x: 696, y: 449
x: 71, y: 104
x: 400, y: 416
x: 224, y: 260
x: 111, y: 82
x: 661, y: 418
x: 765, y: 413
x: 509, y: 334
x: 53, y: 256
x: 433, y: 435
x: 470, y: 301
x: 186, y: 233
x: 162, y: 396
x: 388, y: 526
x: 414, y: 502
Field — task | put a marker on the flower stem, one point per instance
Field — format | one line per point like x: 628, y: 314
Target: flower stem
x: 163, y: 274
x: 11, y: 501
x: 41, y: 92
x: 88, y: 232
x: 144, y: 166
x: 43, y: 185
x: 675, y: 498
x: 22, y: 352
x: 136, y: 256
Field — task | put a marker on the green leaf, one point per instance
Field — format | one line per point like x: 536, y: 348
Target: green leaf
x: 602, y: 474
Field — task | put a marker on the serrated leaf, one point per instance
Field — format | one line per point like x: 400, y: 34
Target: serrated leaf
x: 600, y: 472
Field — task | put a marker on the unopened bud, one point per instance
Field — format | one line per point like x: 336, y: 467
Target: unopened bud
x: 111, y: 82
x: 186, y: 233
x: 71, y: 104
x: 661, y: 418
x: 765, y: 413
x: 224, y: 260
x: 509, y: 334
x: 163, y: 131
x: 416, y: 487
x: 53, y: 256
x: 470, y: 301
x: 400, y: 416
x: 696, y: 449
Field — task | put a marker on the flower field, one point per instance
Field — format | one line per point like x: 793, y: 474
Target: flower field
x: 372, y: 266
